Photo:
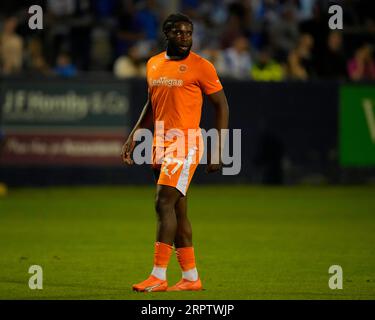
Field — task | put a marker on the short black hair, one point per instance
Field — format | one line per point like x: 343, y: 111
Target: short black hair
x: 174, y: 18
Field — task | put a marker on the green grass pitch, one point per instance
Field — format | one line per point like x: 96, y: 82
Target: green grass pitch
x: 250, y: 242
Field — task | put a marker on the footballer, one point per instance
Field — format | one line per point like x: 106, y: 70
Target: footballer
x: 177, y: 79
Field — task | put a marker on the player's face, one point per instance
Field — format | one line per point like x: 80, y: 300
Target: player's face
x: 180, y: 37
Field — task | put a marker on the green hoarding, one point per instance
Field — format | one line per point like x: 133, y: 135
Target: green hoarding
x: 357, y: 125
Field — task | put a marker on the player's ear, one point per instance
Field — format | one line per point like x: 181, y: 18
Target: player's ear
x: 166, y: 35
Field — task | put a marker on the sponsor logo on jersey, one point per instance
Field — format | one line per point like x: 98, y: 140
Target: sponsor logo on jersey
x: 165, y: 81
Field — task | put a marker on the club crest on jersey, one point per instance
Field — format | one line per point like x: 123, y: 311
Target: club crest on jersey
x: 182, y: 68
x: 165, y: 81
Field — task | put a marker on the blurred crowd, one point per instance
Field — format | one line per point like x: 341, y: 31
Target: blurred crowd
x: 263, y: 40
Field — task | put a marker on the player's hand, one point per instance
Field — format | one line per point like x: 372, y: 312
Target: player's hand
x: 214, y: 162
x: 127, y: 150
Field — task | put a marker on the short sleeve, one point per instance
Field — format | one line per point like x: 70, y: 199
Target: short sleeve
x: 208, y: 78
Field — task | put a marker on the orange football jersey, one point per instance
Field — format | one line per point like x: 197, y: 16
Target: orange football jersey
x: 176, y: 87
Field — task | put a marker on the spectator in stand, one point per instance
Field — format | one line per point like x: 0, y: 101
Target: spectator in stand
x: 138, y: 25
x: 58, y: 27
x: 316, y: 25
x: 130, y: 65
x: 128, y: 31
x: 148, y: 20
x: 306, y: 10
x: 362, y: 65
x: 36, y: 62
x: 236, y: 25
x: 11, y: 45
x: 284, y: 33
x: 300, y: 60
x: 267, y: 69
x: 80, y: 33
x: 64, y: 66
x: 332, y: 64
x: 237, y: 59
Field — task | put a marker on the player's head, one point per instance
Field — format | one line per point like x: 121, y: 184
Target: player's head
x: 178, y: 29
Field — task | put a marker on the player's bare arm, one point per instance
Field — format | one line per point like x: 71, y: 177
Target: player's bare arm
x: 220, y: 103
x: 144, y: 121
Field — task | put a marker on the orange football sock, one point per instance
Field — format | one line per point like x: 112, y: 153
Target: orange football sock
x: 162, y: 255
x: 186, y: 259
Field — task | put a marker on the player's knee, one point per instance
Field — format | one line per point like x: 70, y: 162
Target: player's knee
x: 162, y: 204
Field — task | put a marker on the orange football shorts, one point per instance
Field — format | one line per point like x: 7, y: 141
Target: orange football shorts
x: 177, y: 162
